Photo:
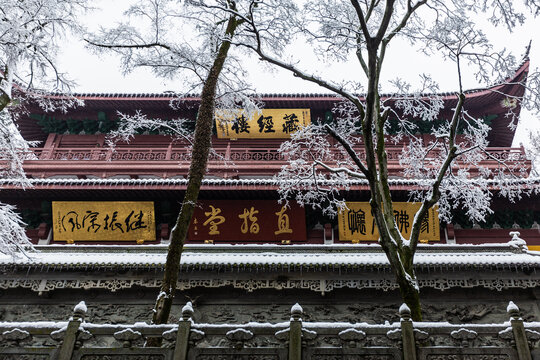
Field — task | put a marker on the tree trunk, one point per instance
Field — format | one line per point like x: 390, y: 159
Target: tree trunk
x: 401, y: 260
x: 410, y: 295
x: 197, y: 170
x: 5, y: 96
x: 6, y: 79
x: 4, y: 100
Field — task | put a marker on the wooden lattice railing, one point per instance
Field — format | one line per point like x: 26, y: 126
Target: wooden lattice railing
x: 220, y: 153
x: 225, y: 161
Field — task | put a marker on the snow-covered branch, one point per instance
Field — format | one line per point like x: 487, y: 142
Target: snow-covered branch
x: 30, y: 36
x: 13, y: 239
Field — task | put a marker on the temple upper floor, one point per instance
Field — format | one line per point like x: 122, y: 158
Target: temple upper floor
x: 73, y: 144
x: 157, y: 156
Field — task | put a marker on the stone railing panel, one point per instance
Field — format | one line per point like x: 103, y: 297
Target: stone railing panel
x: 293, y: 340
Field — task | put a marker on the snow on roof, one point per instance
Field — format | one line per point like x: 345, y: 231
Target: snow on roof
x: 269, y: 256
x: 232, y: 182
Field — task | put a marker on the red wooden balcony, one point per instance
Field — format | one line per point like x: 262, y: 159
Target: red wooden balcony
x: 227, y: 161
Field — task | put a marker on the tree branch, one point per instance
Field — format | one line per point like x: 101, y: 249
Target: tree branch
x: 124, y: 46
x: 435, y: 188
x: 339, y: 170
x: 347, y: 146
x: 403, y: 22
x: 385, y: 22
x: 361, y: 18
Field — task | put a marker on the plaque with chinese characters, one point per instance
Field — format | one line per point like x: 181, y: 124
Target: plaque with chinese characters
x: 357, y: 224
x: 271, y: 123
x: 247, y: 221
x: 103, y: 221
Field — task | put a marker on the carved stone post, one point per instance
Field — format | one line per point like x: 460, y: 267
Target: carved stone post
x: 68, y: 344
x: 407, y: 333
x: 295, y: 333
x: 182, y: 336
x: 518, y: 329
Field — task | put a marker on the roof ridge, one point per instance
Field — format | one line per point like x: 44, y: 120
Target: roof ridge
x: 167, y: 94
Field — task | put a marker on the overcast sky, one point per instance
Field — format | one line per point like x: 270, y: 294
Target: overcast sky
x: 102, y: 74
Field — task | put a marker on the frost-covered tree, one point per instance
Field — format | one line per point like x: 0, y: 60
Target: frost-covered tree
x: 189, y: 41
x: 30, y: 35
x: 533, y: 151
x: 13, y: 239
x: 325, y: 158
x: 30, y: 31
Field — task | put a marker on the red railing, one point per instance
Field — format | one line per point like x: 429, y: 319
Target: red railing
x: 228, y: 153
x: 154, y: 154
x: 163, y: 162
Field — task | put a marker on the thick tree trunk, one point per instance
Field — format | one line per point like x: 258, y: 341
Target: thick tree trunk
x: 4, y: 100
x: 6, y: 79
x: 5, y: 97
x: 197, y: 170
x: 411, y: 296
x: 408, y: 287
x: 401, y: 260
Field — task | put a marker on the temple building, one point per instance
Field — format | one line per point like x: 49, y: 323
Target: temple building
x: 100, y: 218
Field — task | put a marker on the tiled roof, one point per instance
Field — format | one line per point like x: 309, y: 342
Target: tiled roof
x: 169, y: 95
x: 479, y: 103
x: 271, y: 256
x: 231, y: 182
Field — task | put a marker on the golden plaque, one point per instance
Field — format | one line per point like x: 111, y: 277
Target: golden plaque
x: 357, y: 224
x: 271, y: 123
x: 103, y: 221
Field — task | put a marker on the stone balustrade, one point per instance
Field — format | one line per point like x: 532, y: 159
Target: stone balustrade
x: 293, y: 339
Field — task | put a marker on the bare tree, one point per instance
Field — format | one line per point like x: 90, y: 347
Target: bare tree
x: 30, y: 31
x: 533, y: 150
x: 363, y: 30
x: 192, y: 42
x: 30, y: 34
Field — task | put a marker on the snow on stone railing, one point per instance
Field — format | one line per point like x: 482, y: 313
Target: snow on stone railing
x: 255, y: 340
x: 517, y: 244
